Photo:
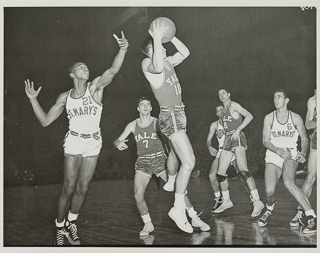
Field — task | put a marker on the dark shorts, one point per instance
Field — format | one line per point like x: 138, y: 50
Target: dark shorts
x: 230, y: 144
x: 151, y: 165
x: 313, y: 140
x: 171, y: 122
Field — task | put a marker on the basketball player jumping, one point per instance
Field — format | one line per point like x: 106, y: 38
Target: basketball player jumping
x: 235, y: 144
x: 151, y: 160
x: 159, y: 71
x: 83, y: 141
x: 281, y: 130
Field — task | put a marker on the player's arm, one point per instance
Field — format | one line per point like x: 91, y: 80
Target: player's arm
x: 120, y: 143
x: 245, y: 113
x: 101, y: 82
x: 55, y: 111
x: 298, y: 122
x: 181, y: 55
x: 212, y: 130
x: 311, y: 123
x: 266, y: 137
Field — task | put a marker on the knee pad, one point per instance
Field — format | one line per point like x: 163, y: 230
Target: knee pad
x: 244, y: 175
x: 221, y: 178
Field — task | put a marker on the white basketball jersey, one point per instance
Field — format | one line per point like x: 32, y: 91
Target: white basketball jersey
x: 220, y: 134
x: 284, y: 135
x: 84, y: 113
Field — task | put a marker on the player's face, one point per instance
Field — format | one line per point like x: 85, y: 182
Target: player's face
x: 145, y: 107
x: 224, y: 95
x: 81, y: 70
x: 279, y: 100
x: 219, y: 110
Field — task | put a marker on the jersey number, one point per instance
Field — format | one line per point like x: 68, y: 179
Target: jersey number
x: 146, y: 142
x: 86, y: 102
x: 177, y: 88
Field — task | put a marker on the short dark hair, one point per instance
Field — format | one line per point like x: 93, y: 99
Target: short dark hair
x: 73, y: 66
x: 145, y: 45
x: 141, y: 99
x: 285, y: 94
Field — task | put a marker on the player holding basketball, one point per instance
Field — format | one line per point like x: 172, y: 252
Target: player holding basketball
x: 281, y: 130
x: 159, y: 71
x: 235, y: 144
x: 216, y: 128
x: 311, y: 123
x: 151, y: 160
x: 83, y: 141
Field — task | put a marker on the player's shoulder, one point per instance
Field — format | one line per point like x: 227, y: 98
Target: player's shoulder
x: 63, y: 96
x: 269, y: 116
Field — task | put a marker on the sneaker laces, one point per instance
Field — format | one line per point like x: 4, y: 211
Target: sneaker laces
x: 265, y: 216
x: 311, y: 223
x: 60, y: 236
x: 73, y: 229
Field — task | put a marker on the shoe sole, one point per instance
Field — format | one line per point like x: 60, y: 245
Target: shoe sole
x: 72, y: 241
x: 170, y: 215
x: 202, y: 228
x: 262, y: 224
x: 309, y: 232
x: 294, y: 224
x: 146, y: 233
x: 227, y: 207
x: 257, y: 214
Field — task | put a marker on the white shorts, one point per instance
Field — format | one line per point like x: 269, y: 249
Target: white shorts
x: 86, y: 147
x: 277, y: 160
x: 219, y: 153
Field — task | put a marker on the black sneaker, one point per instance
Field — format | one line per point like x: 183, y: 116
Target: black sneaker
x: 72, y: 232
x: 264, y: 218
x: 311, y: 225
x: 60, y: 236
x: 302, y: 218
x: 217, y: 203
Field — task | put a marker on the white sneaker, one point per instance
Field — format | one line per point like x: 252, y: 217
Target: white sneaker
x: 169, y: 186
x: 179, y: 217
x: 257, y: 208
x: 148, y: 228
x: 227, y: 203
x: 295, y: 220
x: 198, y: 223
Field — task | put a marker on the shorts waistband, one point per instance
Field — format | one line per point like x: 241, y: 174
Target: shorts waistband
x: 86, y: 136
x: 176, y: 108
x: 230, y: 133
x: 153, y: 155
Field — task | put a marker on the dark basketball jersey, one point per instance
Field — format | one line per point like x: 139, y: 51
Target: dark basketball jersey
x: 169, y: 93
x: 230, y: 124
x: 148, y: 141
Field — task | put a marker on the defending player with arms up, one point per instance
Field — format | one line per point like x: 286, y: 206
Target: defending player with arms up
x: 311, y: 123
x: 235, y: 144
x: 83, y: 141
x: 151, y: 160
x: 159, y: 71
x: 281, y: 130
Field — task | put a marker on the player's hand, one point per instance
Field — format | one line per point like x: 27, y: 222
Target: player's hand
x: 122, y: 145
x: 158, y: 30
x: 300, y: 158
x: 285, y: 154
x: 235, y: 135
x: 213, y: 151
x: 123, y: 42
x: 30, y: 91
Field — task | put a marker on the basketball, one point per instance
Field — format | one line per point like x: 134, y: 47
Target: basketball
x: 169, y: 33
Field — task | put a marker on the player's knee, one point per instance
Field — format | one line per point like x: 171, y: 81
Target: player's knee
x: 269, y: 192
x: 221, y: 178
x: 189, y: 163
x: 244, y: 175
x: 212, y: 176
x: 68, y: 189
x: 82, y: 190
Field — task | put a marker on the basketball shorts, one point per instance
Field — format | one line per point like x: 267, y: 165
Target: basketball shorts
x: 230, y: 144
x: 277, y: 160
x: 219, y: 153
x: 171, y: 122
x: 85, y: 145
x: 151, y: 164
x: 313, y: 140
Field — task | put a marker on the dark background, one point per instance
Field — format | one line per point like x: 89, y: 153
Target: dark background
x: 251, y: 51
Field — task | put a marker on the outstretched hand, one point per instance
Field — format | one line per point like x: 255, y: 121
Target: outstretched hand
x: 30, y: 91
x: 158, y: 29
x: 123, y: 42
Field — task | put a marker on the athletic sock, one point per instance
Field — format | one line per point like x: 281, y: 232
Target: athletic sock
x: 59, y: 224
x: 192, y: 213
x: 172, y: 178
x: 146, y: 218
x: 255, y: 195
x: 226, y: 194
x: 270, y: 208
x: 310, y: 212
x: 217, y: 194
x: 179, y: 200
x: 72, y: 216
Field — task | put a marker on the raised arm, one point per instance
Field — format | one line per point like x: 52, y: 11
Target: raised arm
x: 55, y: 111
x: 212, y: 130
x: 181, y: 55
x: 120, y: 143
x: 311, y: 122
x: 107, y: 77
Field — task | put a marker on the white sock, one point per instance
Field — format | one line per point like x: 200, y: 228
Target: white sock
x: 310, y: 212
x: 172, y: 179
x: 255, y: 195
x: 192, y: 213
x: 179, y: 200
x: 217, y: 194
x: 226, y: 194
x: 146, y: 218
x: 60, y: 224
x: 270, y: 207
x: 72, y: 216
